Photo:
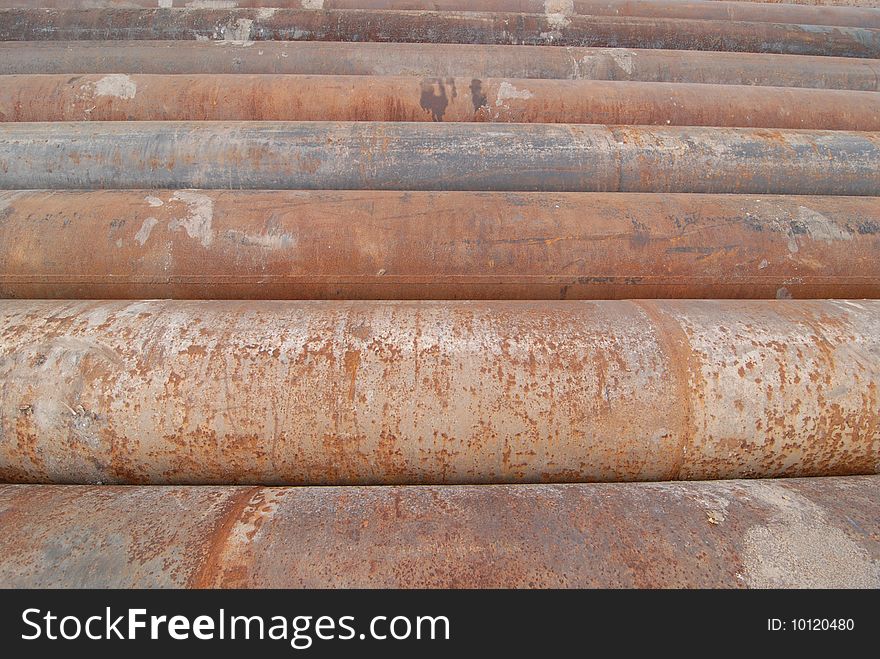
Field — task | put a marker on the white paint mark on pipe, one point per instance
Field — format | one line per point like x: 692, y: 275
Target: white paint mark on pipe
x: 199, y: 218
x: 800, y: 547
x: 622, y: 58
x: 558, y: 12
x: 238, y: 31
x: 507, y: 91
x: 117, y: 85
x: 212, y: 4
x: 267, y: 240
x: 143, y: 233
x: 820, y: 227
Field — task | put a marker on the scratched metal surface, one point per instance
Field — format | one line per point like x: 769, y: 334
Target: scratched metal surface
x: 437, y: 156
x: 435, y: 245
x: 438, y: 60
x: 436, y: 392
x: 820, y: 532
x: 200, y: 97
x: 443, y: 27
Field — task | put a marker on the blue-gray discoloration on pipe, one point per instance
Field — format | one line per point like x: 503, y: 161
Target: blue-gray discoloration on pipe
x: 400, y: 156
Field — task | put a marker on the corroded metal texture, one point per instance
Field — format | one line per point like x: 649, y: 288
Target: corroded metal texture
x: 439, y: 60
x: 435, y: 245
x: 432, y: 26
x: 819, y: 532
x: 437, y: 156
x: 692, y: 9
x: 120, y: 97
x: 436, y: 392
x: 825, y: 3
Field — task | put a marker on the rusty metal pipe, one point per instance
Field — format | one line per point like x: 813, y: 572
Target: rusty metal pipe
x: 445, y: 27
x: 412, y: 392
x: 819, y: 532
x: 120, y: 97
x: 439, y: 60
x: 437, y: 156
x: 694, y: 9
x: 824, y: 3
x: 435, y: 245
x: 864, y: 16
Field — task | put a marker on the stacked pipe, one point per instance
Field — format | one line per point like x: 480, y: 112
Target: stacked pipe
x: 594, y: 275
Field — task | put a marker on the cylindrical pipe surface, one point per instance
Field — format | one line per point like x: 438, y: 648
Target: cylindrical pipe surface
x: 120, y: 97
x: 818, y: 533
x: 693, y: 9
x: 439, y: 60
x: 823, y: 3
x: 435, y: 245
x: 437, y: 27
x: 437, y: 156
x: 436, y: 392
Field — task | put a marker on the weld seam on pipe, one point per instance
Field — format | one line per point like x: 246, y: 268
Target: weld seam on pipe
x: 332, y: 393
x: 792, y: 533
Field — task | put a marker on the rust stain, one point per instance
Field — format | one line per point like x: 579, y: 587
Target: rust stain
x: 436, y: 60
x: 817, y: 532
x: 214, y: 544
x: 478, y: 245
x: 383, y: 25
x: 686, y: 379
x: 438, y: 392
x: 350, y: 363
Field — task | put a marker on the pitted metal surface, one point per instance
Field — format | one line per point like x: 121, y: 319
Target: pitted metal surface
x: 273, y: 392
x: 728, y: 534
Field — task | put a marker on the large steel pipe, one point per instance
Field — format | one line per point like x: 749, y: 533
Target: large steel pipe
x: 437, y: 156
x: 824, y: 3
x: 120, y: 97
x: 818, y: 533
x: 693, y: 9
x: 437, y: 27
x: 436, y: 392
x: 435, y: 245
x: 855, y: 16
x: 439, y: 60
